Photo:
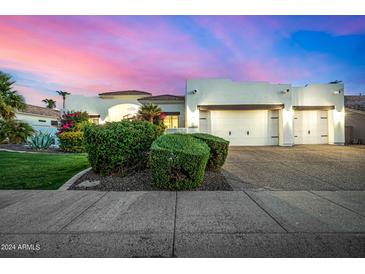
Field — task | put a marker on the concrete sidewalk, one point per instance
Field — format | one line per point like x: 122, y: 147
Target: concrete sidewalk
x: 182, y: 224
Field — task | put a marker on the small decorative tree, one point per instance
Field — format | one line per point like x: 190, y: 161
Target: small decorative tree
x: 49, y: 103
x: 149, y: 112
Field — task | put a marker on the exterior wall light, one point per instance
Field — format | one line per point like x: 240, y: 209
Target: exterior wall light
x: 194, y: 91
x: 285, y: 91
x: 337, y: 92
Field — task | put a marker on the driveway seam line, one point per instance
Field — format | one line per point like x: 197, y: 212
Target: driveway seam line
x: 272, y: 217
x: 174, y: 231
x: 318, y: 195
x: 78, y: 215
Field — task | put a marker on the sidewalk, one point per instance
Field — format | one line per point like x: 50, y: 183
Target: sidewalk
x: 183, y: 224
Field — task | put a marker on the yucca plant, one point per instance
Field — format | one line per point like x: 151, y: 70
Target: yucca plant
x: 41, y: 140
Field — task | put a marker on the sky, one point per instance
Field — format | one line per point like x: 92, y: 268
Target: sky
x: 93, y: 54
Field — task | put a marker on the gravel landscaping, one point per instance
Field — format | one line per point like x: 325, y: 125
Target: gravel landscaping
x: 141, y: 181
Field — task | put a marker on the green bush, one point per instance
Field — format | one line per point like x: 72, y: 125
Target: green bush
x: 178, y: 161
x: 71, y: 141
x: 218, y: 149
x: 119, y: 146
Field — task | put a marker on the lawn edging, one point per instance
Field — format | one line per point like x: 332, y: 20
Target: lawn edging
x: 73, y: 179
x: 19, y: 151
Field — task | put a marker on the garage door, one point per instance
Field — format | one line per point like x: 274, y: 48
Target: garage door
x: 246, y: 127
x: 310, y: 127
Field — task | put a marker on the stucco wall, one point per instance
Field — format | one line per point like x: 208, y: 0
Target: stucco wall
x: 113, y: 109
x: 100, y: 106
x: 356, y: 119
x: 226, y: 92
x: 325, y: 95
x: 33, y: 120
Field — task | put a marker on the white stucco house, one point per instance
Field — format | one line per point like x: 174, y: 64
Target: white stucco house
x: 247, y: 113
x: 40, y: 118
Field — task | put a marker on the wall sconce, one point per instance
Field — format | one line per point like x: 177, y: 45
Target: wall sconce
x: 194, y: 91
x: 337, y: 91
x: 285, y: 91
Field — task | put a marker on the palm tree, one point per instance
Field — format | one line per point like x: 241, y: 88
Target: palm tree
x: 63, y: 94
x: 14, y: 131
x: 10, y: 100
x: 149, y: 112
x: 49, y: 103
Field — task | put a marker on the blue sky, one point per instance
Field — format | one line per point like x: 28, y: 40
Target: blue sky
x: 93, y: 54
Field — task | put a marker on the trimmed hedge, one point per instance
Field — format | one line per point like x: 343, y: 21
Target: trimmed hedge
x: 118, y: 147
x: 218, y: 149
x: 71, y: 141
x: 178, y: 161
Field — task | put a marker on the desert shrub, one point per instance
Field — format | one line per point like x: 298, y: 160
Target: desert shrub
x: 218, y: 149
x: 178, y: 161
x: 14, y: 131
x: 71, y: 141
x: 41, y: 140
x: 119, y: 147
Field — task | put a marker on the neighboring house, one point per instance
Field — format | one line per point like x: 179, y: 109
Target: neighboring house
x: 251, y: 113
x: 355, y: 119
x: 40, y: 118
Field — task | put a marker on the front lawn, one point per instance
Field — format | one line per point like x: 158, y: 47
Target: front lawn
x: 38, y: 170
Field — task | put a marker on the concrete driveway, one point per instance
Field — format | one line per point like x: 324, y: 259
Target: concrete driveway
x: 182, y: 224
x: 304, y: 167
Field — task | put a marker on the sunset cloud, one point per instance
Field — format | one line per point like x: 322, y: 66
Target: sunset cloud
x: 92, y: 54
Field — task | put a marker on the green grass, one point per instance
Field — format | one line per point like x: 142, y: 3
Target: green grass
x: 38, y: 170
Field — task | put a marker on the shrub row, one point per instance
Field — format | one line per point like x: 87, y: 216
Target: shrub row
x: 71, y: 141
x: 218, y: 149
x: 119, y: 146
x: 178, y: 161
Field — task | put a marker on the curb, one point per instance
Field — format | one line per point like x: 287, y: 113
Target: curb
x: 73, y: 179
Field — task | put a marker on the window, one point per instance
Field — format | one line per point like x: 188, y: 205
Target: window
x: 54, y: 123
x: 94, y: 120
x: 42, y: 121
x: 171, y: 121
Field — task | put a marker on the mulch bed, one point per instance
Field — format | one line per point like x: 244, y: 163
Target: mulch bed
x: 142, y: 181
x: 28, y: 149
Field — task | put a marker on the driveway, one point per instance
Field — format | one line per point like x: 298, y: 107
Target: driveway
x: 182, y: 224
x: 304, y: 167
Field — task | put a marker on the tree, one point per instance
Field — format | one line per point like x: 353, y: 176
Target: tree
x: 63, y: 94
x: 49, y: 103
x: 149, y: 112
x: 10, y: 100
x: 15, y: 132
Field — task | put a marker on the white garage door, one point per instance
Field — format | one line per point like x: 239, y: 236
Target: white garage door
x: 246, y: 127
x: 310, y: 127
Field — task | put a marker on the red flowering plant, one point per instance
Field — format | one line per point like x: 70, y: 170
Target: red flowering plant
x: 71, y: 121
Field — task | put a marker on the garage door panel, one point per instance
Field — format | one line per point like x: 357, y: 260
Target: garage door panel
x: 310, y: 127
x: 246, y: 127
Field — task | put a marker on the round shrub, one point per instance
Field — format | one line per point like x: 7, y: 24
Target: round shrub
x: 218, y: 149
x: 178, y: 161
x: 119, y: 147
x: 71, y: 141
